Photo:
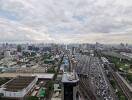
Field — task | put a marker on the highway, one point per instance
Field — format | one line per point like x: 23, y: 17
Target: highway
x: 93, y: 79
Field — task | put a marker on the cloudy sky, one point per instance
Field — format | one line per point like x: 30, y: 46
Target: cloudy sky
x: 66, y: 21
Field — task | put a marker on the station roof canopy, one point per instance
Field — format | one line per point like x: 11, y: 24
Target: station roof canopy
x: 18, y: 83
x: 44, y: 75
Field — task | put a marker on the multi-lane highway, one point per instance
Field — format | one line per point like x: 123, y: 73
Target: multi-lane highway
x: 93, y: 79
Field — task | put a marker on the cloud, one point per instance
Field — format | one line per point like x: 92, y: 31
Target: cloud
x: 69, y: 21
x: 11, y: 31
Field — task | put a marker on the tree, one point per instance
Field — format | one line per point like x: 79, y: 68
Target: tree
x: 122, y: 97
x: 33, y: 53
x: 113, y: 83
x: 32, y: 98
x: 129, y: 77
x: 49, y: 86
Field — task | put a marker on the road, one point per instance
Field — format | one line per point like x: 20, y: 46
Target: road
x: 93, y: 78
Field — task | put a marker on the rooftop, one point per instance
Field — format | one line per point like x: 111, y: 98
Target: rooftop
x: 18, y: 83
x: 44, y: 75
x: 39, y: 75
x: 70, y: 77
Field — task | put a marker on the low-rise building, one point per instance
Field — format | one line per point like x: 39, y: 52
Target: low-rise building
x: 18, y: 87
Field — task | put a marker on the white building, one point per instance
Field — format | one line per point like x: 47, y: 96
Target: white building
x: 18, y: 87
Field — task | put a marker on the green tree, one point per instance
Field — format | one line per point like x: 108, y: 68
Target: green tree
x: 122, y: 97
x: 129, y: 77
x: 113, y: 83
x: 49, y: 86
x: 32, y: 98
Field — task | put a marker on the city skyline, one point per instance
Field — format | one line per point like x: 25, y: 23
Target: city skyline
x: 66, y: 21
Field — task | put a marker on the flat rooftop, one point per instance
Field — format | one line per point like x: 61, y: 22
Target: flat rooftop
x: 39, y: 75
x: 18, y: 83
x: 44, y: 75
x: 70, y: 77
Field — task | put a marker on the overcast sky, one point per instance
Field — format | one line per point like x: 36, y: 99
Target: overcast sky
x: 66, y: 21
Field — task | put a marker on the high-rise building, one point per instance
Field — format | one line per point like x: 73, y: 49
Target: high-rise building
x: 70, y: 86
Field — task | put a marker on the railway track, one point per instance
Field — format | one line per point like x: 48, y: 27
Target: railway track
x: 85, y: 89
x: 122, y: 85
x: 93, y: 82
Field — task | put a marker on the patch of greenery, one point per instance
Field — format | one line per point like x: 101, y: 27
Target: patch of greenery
x: 48, y: 61
x: 32, y: 98
x: 112, y: 82
x: 51, y: 70
x: 129, y: 77
x: 49, y: 86
x: 123, y: 65
x: 46, y: 56
x: 122, y: 97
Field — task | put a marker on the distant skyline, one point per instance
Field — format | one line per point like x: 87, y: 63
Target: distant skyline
x: 66, y: 21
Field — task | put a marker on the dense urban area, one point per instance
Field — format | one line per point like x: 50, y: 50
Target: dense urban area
x: 65, y: 71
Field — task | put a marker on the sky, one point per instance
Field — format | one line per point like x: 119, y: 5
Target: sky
x: 66, y: 21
